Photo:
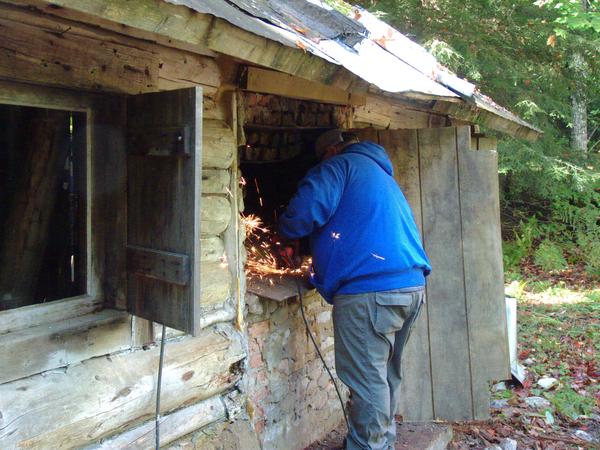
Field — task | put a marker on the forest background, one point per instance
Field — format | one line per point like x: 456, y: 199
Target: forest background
x: 540, y: 59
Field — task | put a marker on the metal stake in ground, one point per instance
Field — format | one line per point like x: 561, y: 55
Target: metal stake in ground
x: 158, y: 384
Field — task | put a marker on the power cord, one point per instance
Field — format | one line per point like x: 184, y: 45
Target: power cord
x: 312, y: 338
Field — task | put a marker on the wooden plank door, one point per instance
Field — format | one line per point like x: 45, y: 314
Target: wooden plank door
x: 164, y: 163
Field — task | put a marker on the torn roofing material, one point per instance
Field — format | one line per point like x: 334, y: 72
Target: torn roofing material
x: 364, y: 45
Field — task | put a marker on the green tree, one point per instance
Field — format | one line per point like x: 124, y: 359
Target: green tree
x: 539, y: 59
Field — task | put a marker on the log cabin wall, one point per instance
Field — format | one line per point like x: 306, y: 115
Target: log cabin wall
x: 80, y: 372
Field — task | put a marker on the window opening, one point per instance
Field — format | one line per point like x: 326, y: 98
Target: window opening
x: 42, y: 205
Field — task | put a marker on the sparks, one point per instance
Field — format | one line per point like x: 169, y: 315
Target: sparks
x: 378, y: 257
x: 257, y: 188
x: 335, y: 235
x: 260, y: 260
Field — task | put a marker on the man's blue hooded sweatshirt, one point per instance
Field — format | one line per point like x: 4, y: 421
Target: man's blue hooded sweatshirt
x: 363, y: 234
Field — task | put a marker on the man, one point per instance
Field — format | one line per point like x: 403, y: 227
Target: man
x: 369, y: 263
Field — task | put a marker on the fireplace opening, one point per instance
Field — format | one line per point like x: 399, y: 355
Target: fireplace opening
x: 280, y: 136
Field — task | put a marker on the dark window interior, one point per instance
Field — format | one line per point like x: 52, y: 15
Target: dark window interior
x: 42, y: 205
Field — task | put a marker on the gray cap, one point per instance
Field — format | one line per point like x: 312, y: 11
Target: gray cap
x: 327, y: 139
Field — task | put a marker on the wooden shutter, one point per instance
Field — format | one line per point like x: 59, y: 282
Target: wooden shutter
x: 164, y: 162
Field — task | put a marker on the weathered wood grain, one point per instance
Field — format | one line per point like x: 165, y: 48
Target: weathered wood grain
x: 218, y: 145
x: 212, y: 249
x: 159, y: 18
x: 163, y: 207
x: 416, y: 398
x: 215, y: 214
x: 367, y: 134
x: 109, y: 198
x: 167, y: 68
x: 34, y: 315
x: 31, y: 54
x: 484, y: 274
x: 442, y: 236
x: 474, y: 114
x: 215, y: 285
x: 215, y: 181
x: 272, y: 82
x: 13, y: 93
x: 103, y: 396
x: 381, y: 112
x: 45, y: 347
x: 172, y: 427
x: 169, y: 267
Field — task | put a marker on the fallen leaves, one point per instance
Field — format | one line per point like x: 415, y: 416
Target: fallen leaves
x: 556, y: 340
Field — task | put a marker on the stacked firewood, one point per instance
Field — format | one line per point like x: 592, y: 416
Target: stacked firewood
x: 271, y: 110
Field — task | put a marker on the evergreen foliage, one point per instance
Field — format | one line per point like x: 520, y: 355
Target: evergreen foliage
x: 518, y: 53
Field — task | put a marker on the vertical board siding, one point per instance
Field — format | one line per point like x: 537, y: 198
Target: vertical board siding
x: 416, y: 399
x: 459, y: 342
x: 448, y: 327
x: 482, y: 247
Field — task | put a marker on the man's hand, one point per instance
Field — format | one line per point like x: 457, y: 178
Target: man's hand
x: 286, y: 252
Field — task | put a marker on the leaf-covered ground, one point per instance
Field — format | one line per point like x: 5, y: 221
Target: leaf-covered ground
x: 558, y: 338
x: 559, y: 344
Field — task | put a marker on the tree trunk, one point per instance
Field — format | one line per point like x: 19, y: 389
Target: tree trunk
x: 579, y: 132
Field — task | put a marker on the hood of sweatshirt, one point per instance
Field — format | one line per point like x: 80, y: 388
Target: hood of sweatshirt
x: 376, y: 152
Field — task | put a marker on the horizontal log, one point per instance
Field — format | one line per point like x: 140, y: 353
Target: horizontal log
x: 215, y: 181
x: 207, y: 318
x: 45, y: 347
x: 218, y: 144
x: 182, y: 27
x: 172, y: 427
x: 211, y: 317
x: 177, y: 23
x: 31, y: 316
x: 215, y: 284
x: 272, y: 82
x: 213, y: 107
x: 215, y: 214
x: 161, y: 68
x: 32, y: 54
x: 212, y: 249
x: 382, y: 113
x: 101, y: 396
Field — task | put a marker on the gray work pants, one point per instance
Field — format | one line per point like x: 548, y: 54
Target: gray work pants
x: 370, y: 332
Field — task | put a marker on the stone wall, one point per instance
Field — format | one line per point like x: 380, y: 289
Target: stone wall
x: 291, y: 399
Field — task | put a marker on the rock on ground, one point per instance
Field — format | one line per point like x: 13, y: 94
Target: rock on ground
x: 508, y: 444
x: 537, y: 402
x: 547, y: 382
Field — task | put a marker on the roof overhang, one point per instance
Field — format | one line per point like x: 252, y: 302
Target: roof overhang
x: 382, y: 57
x: 306, y: 39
